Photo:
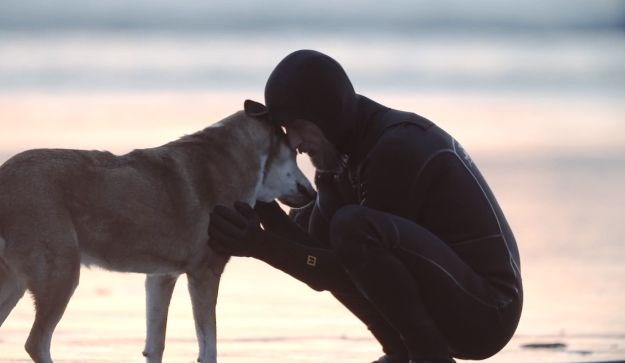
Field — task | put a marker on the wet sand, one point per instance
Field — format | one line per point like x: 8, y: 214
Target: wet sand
x: 262, y: 317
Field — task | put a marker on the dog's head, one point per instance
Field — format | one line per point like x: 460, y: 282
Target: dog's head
x: 282, y: 177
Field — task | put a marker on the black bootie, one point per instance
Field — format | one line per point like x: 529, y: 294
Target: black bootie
x: 389, y: 359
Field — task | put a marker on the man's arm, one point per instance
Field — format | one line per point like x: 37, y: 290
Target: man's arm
x: 292, y: 226
x: 237, y: 232
x: 312, y: 222
x: 387, y: 178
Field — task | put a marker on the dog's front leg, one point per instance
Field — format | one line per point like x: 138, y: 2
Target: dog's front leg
x: 159, y: 289
x: 203, y: 288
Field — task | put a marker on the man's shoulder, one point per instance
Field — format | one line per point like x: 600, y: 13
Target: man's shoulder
x: 410, y: 141
x: 391, y: 118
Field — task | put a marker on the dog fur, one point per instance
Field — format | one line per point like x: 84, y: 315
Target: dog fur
x: 146, y: 212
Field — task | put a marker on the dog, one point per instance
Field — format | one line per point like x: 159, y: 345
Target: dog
x: 145, y: 212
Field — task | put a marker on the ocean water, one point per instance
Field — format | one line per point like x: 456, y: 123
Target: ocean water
x: 534, y: 91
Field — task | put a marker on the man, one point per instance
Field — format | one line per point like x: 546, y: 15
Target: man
x: 404, y: 230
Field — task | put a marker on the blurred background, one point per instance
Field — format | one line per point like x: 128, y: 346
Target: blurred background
x: 534, y: 90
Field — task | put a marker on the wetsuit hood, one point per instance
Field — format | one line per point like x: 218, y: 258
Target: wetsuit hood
x: 310, y: 85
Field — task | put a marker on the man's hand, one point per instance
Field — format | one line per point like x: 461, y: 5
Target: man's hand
x: 271, y: 216
x: 235, y: 231
x: 276, y: 222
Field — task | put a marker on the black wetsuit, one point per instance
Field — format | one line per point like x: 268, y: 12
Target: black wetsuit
x: 407, y: 234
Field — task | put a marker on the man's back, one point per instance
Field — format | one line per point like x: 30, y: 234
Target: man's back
x: 417, y: 171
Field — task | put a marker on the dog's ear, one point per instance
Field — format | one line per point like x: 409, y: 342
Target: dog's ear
x: 255, y: 109
x: 260, y: 111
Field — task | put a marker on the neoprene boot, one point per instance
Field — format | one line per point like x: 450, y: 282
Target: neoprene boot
x: 386, y: 335
x: 389, y: 359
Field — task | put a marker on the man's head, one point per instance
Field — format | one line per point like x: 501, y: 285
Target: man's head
x: 302, y: 136
x: 311, y: 96
x: 305, y: 137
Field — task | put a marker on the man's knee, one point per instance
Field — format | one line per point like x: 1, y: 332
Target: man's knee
x: 349, y: 235
x: 347, y: 223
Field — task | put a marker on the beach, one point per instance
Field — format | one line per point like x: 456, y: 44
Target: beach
x: 537, y: 102
x: 565, y: 209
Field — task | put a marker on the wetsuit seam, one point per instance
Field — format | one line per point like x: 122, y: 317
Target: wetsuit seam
x: 367, y: 156
x: 426, y: 163
x: 322, y: 213
x: 469, y: 241
x: 515, y: 267
x: 478, y: 299
x: 453, y: 150
x: 396, y: 230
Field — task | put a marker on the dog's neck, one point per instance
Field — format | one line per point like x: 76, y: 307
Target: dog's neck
x: 233, y: 155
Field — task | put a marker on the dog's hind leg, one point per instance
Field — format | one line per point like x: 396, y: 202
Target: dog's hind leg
x: 203, y: 288
x: 11, y: 288
x: 11, y: 291
x: 159, y: 289
x: 53, y: 277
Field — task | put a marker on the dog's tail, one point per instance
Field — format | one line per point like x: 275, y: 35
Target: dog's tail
x: 11, y: 288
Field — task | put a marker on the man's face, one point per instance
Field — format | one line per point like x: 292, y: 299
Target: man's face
x: 305, y: 137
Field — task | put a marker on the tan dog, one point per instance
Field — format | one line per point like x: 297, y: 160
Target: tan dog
x: 146, y: 211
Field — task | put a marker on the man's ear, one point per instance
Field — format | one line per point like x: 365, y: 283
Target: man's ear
x: 255, y: 109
